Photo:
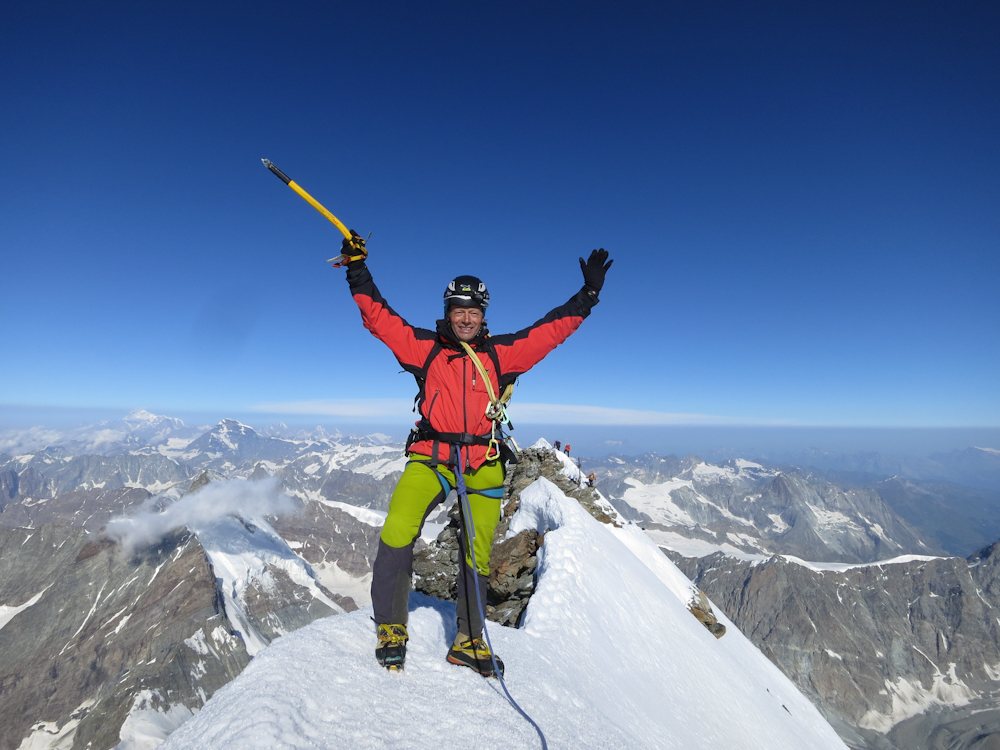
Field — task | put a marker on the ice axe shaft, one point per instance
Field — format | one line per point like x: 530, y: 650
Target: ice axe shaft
x: 306, y: 197
x: 340, y: 259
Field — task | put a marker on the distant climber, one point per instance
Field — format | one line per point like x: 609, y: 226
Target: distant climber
x: 457, y: 425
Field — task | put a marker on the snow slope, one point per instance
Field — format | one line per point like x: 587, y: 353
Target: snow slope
x: 608, y: 656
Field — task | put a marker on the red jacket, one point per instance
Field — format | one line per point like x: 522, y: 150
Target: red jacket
x: 452, y: 397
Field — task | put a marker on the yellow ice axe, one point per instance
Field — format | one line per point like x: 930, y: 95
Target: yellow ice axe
x: 356, y: 242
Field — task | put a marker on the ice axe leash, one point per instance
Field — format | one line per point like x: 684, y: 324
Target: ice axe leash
x: 469, y: 529
x: 357, y: 242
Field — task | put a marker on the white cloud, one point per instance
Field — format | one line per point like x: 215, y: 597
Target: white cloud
x: 376, y: 408
x: 31, y: 439
x: 249, y: 500
x: 520, y: 413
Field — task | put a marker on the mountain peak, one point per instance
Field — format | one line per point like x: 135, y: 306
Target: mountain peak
x: 142, y: 416
x: 578, y: 659
x: 234, y: 425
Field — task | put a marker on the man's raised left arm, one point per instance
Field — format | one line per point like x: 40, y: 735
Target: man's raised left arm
x: 519, y: 352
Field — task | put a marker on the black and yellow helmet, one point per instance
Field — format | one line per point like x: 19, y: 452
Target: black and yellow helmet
x: 466, y: 291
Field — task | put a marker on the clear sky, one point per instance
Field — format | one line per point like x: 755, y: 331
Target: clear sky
x: 802, y: 201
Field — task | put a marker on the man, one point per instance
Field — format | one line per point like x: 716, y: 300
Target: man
x: 454, y: 429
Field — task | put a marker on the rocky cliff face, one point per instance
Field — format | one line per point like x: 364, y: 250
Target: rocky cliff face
x: 53, y: 472
x: 95, y: 635
x: 871, y: 645
x: 97, y: 632
x: 87, y: 509
x: 330, y: 540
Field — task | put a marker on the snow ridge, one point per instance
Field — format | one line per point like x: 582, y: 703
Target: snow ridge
x: 608, y: 656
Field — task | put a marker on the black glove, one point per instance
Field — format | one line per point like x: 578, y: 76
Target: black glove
x: 594, y: 269
x: 354, y: 246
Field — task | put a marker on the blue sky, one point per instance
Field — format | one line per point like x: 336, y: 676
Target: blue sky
x: 801, y: 201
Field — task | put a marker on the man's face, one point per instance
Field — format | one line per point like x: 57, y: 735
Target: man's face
x: 465, y: 322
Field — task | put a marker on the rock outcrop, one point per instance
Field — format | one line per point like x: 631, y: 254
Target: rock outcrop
x: 873, y: 645
x: 513, y: 560
x: 98, y: 632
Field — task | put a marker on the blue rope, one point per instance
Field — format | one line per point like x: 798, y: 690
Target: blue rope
x: 470, y: 536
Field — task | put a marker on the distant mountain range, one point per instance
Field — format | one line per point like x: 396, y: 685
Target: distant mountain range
x: 745, y: 507
x: 895, y: 651
x: 808, y: 512
x: 143, y: 563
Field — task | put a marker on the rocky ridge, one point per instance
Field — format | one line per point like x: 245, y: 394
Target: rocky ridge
x: 514, y: 559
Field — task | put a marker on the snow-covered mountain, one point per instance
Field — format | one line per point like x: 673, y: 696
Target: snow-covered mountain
x: 160, y: 609
x: 231, y: 444
x: 923, y: 630
x: 111, y: 624
x: 274, y: 529
x: 608, y: 656
x: 167, y: 465
x: 139, y: 429
x: 743, y: 507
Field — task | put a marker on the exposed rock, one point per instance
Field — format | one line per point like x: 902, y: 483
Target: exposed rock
x: 514, y: 560
x: 276, y: 605
x: 199, y: 481
x: 8, y: 486
x: 327, y: 537
x: 357, y: 489
x: 103, y: 629
x: 700, y: 607
x: 88, y: 509
x: 870, y: 644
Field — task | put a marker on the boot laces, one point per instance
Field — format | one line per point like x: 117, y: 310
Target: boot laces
x: 477, y: 646
x: 392, y: 635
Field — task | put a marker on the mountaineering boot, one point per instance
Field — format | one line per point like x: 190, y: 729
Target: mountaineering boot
x: 391, y: 649
x: 474, y: 654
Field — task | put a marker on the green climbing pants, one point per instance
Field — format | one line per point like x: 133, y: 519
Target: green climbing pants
x: 419, y: 490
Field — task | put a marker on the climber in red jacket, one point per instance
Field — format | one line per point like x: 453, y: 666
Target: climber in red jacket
x: 458, y: 423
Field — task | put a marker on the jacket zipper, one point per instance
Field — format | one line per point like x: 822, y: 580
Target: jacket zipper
x: 465, y: 406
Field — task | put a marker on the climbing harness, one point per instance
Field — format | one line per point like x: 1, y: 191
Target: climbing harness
x: 496, y: 410
x: 470, y: 536
x: 356, y: 242
x: 499, y: 443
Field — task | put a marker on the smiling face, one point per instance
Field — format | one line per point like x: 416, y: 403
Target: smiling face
x: 466, y: 322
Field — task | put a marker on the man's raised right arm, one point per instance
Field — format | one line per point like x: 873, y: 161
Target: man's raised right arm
x: 410, y: 345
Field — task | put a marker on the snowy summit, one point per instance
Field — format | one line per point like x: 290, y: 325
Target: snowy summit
x: 608, y: 656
